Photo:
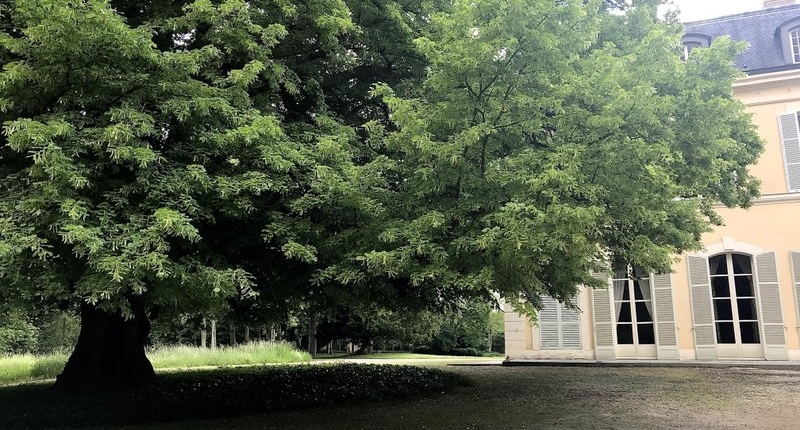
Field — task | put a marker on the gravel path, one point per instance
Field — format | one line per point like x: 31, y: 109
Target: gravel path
x: 565, y: 398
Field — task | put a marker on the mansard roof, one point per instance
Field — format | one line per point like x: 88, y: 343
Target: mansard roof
x: 761, y: 29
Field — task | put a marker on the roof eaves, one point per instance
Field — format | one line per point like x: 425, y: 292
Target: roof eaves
x: 743, y: 15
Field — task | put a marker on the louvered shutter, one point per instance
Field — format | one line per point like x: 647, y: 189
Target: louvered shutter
x: 771, y: 311
x: 559, y: 326
x: 570, y: 320
x: 699, y: 284
x: 796, y: 280
x: 666, y: 335
x: 790, y: 142
x: 603, y: 321
x: 548, y: 323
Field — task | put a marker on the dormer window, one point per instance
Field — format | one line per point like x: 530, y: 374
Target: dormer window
x: 694, y: 40
x: 794, y: 42
x: 788, y: 34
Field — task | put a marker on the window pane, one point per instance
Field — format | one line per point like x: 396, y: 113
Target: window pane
x: 794, y: 38
x: 626, y: 293
x: 749, y: 332
x: 725, y: 333
x: 744, y: 286
x: 641, y: 289
x: 722, y: 309
x: 719, y: 287
x: 741, y: 264
x: 624, y: 334
x: 717, y: 265
x: 647, y: 335
x: 624, y: 312
x: 747, y: 309
x: 642, y: 312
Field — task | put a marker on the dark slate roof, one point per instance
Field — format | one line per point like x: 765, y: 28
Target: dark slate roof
x: 758, y: 28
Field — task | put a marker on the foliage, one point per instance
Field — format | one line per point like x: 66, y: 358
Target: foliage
x: 464, y: 332
x: 17, y: 333
x: 497, y: 331
x: 378, y: 327
x: 157, y: 181
x: 546, y: 138
x: 171, y: 330
x: 58, y: 332
x: 223, y: 392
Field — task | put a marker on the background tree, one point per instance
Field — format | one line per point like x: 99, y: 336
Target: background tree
x: 546, y: 138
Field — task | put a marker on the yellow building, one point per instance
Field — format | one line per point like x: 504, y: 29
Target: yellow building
x: 738, y: 298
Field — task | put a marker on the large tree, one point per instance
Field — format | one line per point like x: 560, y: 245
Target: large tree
x: 547, y: 140
x: 152, y: 153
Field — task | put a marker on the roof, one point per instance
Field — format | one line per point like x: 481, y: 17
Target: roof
x: 758, y: 28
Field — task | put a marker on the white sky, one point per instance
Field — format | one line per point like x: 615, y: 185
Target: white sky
x: 693, y: 10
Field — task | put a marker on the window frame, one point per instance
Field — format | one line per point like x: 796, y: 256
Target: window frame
x: 629, y: 279
x: 794, y: 44
x: 734, y: 298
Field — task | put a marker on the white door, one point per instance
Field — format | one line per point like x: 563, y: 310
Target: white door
x: 633, y: 310
x: 733, y: 293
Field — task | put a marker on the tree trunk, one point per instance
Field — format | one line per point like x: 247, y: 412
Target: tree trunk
x: 232, y: 334
x: 247, y: 334
x: 213, y: 334
x: 109, y: 352
x: 312, y: 335
x: 203, y: 335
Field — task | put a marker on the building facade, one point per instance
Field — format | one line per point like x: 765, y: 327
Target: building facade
x: 738, y: 298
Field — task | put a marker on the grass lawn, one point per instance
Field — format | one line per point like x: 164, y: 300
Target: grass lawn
x: 562, y: 398
x: 27, y: 367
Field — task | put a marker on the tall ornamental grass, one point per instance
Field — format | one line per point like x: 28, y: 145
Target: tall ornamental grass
x: 27, y: 367
x: 245, y: 354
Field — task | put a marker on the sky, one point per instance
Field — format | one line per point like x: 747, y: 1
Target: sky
x: 694, y: 10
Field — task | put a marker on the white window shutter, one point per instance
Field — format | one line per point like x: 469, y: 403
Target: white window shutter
x: 774, y: 337
x: 559, y: 327
x: 570, y: 320
x: 790, y: 142
x: 700, y: 286
x: 796, y: 280
x: 603, y: 321
x: 548, y: 323
x: 667, y: 336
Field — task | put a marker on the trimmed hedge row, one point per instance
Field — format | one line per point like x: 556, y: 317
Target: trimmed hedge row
x: 223, y: 393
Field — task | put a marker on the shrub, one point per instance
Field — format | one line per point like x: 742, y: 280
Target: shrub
x: 17, y: 334
x: 58, y: 332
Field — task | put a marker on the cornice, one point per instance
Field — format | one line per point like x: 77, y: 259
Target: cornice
x: 772, y: 199
x: 767, y: 80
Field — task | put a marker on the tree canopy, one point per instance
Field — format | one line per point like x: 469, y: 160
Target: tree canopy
x: 195, y: 154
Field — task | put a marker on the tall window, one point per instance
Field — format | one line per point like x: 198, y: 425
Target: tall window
x: 633, y: 304
x: 734, y: 296
x: 794, y: 42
